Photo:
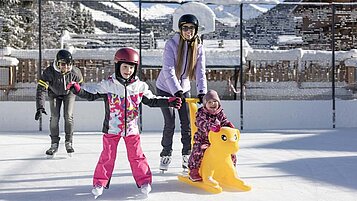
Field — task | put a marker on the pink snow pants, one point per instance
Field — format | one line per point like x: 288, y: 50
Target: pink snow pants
x: 138, y: 163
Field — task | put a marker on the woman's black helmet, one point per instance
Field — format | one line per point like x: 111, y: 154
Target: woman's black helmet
x: 188, y: 18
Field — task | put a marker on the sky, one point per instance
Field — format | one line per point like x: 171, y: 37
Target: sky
x: 279, y: 165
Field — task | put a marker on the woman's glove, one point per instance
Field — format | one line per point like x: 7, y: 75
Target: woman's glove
x: 180, y: 95
x: 200, y: 97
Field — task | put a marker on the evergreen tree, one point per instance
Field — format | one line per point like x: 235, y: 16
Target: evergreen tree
x: 19, y: 23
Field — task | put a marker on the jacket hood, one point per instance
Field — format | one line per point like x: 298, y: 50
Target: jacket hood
x: 59, y: 70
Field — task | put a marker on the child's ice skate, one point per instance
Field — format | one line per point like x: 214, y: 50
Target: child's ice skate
x: 51, y: 152
x: 145, y: 189
x: 97, y: 191
x: 164, y: 163
x: 69, y: 149
x: 185, y: 163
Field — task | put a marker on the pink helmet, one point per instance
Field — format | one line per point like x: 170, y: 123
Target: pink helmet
x: 127, y: 55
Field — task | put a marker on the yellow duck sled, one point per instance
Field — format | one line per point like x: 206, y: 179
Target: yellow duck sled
x: 217, y: 169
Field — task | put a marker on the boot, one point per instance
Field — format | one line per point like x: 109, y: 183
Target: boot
x: 145, y: 189
x: 165, y: 162
x: 194, y: 175
x: 185, y: 162
x: 52, y: 150
x: 69, y: 148
x: 97, y: 191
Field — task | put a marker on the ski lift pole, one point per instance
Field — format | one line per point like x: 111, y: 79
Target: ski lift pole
x: 140, y: 67
x: 333, y: 68
x: 39, y: 55
x: 241, y: 66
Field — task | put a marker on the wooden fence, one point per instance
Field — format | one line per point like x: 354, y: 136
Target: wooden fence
x: 222, y: 79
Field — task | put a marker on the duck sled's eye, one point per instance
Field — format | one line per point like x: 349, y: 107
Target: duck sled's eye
x: 224, y: 137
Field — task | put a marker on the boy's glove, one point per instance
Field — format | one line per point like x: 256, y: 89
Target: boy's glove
x: 180, y: 95
x: 74, y: 87
x: 200, y: 98
x: 39, y: 113
x: 175, y: 102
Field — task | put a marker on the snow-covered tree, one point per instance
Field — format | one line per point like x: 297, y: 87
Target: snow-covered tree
x: 19, y: 23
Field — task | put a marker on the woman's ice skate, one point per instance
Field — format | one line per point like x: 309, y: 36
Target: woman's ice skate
x: 164, y: 163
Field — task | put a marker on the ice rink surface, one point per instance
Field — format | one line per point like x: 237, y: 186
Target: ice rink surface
x: 279, y: 165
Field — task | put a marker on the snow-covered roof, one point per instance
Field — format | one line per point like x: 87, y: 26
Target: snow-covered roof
x: 218, y: 53
x: 351, y: 62
x: 6, y: 51
x: 229, y: 55
x: 8, y: 61
x: 289, y: 39
x: 274, y: 55
x: 325, y: 56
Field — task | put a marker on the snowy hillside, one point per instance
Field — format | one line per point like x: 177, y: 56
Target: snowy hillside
x: 148, y: 12
x: 157, y: 11
x: 102, y: 16
x: 229, y: 14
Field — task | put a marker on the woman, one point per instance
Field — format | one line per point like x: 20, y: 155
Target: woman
x: 184, y: 61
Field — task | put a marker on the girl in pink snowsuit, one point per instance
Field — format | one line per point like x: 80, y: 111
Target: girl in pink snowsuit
x: 208, y: 116
x: 122, y: 93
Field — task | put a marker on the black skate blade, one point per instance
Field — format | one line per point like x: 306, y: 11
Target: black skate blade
x: 162, y: 171
x: 50, y: 156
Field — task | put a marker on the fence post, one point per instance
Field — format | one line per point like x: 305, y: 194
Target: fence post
x: 333, y: 67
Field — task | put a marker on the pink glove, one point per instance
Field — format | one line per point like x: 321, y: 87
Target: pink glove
x: 74, y: 87
x: 215, y: 128
x: 175, y: 102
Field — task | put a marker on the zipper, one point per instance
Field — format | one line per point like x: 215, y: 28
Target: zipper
x: 125, y: 108
x: 64, y: 82
x: 184, y: 70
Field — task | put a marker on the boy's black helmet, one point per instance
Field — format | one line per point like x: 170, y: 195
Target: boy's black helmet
x: 188, y: 18
x: 64, y: 56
